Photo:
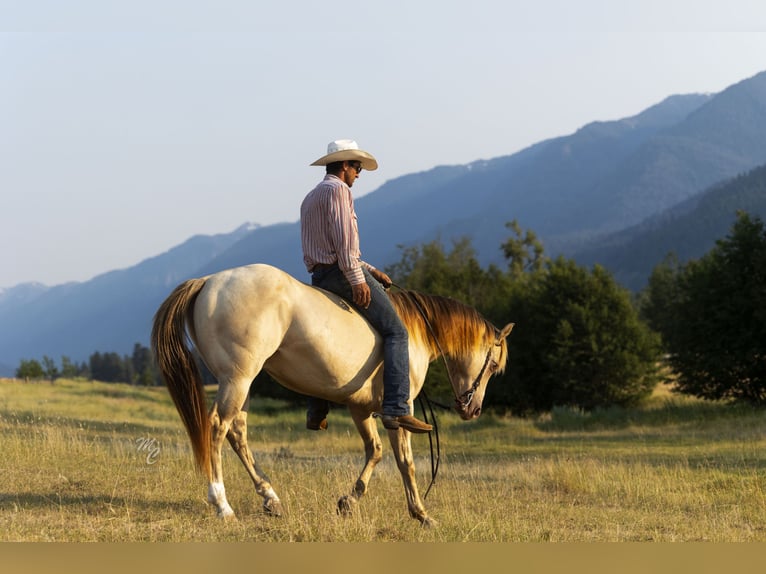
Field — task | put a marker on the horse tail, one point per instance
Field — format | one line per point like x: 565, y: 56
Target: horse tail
x: 179, y: 368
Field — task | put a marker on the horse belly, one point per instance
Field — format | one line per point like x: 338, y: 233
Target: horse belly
x: 329, y: 353
x: 344, y: 387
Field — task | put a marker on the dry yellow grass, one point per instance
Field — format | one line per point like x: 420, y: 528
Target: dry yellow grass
x: 95, y: 462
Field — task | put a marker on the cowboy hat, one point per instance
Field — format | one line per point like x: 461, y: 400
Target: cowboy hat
x: 347, y: 150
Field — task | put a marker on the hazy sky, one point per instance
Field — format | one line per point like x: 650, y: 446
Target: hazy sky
x: 128, y: 126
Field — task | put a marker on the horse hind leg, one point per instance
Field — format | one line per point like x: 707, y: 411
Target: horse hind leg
x: 216, y: 492
x: 228, y: 420
x: 237, y: 437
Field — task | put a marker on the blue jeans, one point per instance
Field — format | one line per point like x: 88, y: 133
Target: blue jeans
x: 385, y: 320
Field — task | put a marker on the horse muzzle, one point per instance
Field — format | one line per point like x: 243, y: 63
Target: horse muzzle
x: 467, y: 412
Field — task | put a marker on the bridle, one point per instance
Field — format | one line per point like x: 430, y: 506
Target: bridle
x: 465, y: 399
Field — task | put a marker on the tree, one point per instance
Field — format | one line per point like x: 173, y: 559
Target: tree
x: 523, y: 251
x: 108, y: 367
x: 659, y: 301
x: 430, y: 269
x: 717, y: 309
x: 578, y: 342
x: 30, y: 369
x: 50, y: 369
x: 144, y: 370
x: 68, y: 369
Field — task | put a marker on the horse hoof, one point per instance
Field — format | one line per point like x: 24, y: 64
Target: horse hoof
x: 272, y: 507
x: 346, y: 505
x: 428, y: 522
x: 227, y: 514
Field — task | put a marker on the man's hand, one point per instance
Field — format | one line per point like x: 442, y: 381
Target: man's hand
x: 381, y: 278
x: 361, y: 294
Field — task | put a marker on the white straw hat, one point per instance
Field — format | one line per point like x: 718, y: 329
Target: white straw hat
x: 347, y: 150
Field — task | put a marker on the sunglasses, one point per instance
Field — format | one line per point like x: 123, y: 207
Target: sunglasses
x: 356, y: 165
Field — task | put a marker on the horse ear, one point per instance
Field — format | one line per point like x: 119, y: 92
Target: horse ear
x: 506, y: 331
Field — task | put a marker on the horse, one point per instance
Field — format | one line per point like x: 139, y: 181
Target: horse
x: 257, y: 317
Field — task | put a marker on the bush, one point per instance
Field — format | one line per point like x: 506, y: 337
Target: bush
x: 712, y: 316
x: 578, y: 342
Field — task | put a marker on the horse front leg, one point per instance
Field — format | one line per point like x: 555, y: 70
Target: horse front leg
x: 373, y: 451
x: 400, y: 442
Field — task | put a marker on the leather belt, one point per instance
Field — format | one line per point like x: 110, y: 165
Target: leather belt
x: 323, y: 267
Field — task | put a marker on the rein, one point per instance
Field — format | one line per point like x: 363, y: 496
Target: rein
x: 424, y: 400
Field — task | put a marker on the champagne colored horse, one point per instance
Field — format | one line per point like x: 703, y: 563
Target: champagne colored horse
x: 255, y: 318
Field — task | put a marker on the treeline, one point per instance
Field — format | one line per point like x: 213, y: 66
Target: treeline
x: 137, y: 368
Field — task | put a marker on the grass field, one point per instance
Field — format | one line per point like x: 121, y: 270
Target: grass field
x: 85, y: 461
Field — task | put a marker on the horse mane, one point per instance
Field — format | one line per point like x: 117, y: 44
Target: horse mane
x: 459, y: 328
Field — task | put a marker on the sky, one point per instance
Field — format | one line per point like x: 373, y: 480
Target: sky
x: 127, y: 127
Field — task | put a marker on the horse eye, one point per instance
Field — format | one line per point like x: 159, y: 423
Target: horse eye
x: 493, y: 366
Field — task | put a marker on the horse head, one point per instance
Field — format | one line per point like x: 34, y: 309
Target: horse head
x: 472, y: 347
x: 470, y: 373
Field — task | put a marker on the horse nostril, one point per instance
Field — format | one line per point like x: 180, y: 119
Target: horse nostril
x: 477, y: 412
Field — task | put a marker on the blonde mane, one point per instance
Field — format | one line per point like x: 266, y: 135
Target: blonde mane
x: 460, y: 329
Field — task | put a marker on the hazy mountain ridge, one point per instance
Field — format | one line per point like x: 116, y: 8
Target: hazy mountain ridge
x: 689, y: 230
x: 22, y: 293
x: 104, y: 313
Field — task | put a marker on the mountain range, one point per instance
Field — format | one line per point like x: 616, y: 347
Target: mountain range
x: 620, y: 193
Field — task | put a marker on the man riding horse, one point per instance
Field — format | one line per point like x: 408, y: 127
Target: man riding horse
x: 330, y: 240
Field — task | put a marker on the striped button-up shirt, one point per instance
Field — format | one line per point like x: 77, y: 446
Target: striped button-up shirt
x: 329, y: 232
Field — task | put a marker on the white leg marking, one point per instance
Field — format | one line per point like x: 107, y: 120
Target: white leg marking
x: 271, y: 494
x: 216, y: 495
